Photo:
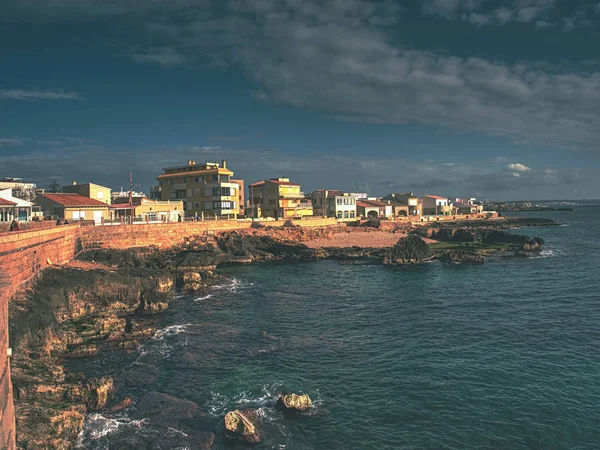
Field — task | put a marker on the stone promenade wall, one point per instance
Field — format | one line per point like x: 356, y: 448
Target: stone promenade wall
x: 171, y: 234
x: 7, y: 412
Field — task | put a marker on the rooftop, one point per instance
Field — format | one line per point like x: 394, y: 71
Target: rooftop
x: 371, y: 203
x: 435, y: 196
x: 279, y: 181
x: 72, y: 200
x: 4, y: 202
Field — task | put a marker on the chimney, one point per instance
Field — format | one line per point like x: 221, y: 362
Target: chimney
x: 74, y: 183
x: 224, y: 164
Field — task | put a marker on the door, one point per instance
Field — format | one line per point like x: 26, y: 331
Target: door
x: 98, y: 217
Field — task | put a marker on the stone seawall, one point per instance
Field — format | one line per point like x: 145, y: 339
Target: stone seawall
x: 23, y: 255
x: 171, y: 234
x: 7, y: 412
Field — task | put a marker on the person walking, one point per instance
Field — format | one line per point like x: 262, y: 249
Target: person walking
x: 14, y: 225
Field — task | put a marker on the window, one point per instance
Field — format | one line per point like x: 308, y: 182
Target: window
x: 224, y: 178
x: 196, y: 192
x: 196, y: 179
x: 223, y: 205
x: 345, y: 214
x: 189, y: 206
x: 339, y: 215
x: 197, y: 205
x: 170, y: 181
x: 100, y: 194
x: 215, y: 178
x: 271, y: 201
x: 189, y: 192
x: 207, y: 205
x: 352, y: 214
x: 184, y: 180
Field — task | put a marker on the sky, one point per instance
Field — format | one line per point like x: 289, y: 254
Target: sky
x: 492, y: 99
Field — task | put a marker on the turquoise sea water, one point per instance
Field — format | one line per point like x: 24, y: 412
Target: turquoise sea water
x: 500, y: 356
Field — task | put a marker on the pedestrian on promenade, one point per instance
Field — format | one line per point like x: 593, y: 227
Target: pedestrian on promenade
x: 14, y: 225
x: 179, y: 218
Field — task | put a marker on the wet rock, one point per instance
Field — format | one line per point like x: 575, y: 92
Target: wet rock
x: 123, y: 404
x: 463, y: 257
x: 533, y: 245
x: 408, y: 250
x: 239, y: 425
x: 82, y: 351
x: 294, y: 402
x: 94, y: 393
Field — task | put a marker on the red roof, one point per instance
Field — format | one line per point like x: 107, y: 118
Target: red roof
x: 68, y: 200
x: 436, y: 196
x: 5, y: 202
x: 274, y: 181
x: 371, y: 203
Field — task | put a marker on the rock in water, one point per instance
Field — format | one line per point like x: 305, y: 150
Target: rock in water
x: 408, y: 250
x: 533, y: 245
x: 464, y: 257
x: 238, y: 425
x: 294, y: 402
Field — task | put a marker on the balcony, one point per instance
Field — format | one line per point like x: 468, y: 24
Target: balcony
x: 292, y: 196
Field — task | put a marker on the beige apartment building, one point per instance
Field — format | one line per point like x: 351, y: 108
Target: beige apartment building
x: 89, y: 190
x: 278, y: 198
x: 206, y: 189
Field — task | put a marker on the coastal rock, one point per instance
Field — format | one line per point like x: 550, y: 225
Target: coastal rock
x: 294, y: 402
x: 94, y: 393
x: 239, y: 425
x: 408, y: 250
x: 123, y: 404
x: 533, y: 245
x: 463, y: 257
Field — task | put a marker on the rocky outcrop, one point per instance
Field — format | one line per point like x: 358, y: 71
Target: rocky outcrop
x: 525, y: 243
x: 240, y: 425
x: 408, y: 250
x: 454, y: 256
x: 294, y: 402
x: 496, y: 224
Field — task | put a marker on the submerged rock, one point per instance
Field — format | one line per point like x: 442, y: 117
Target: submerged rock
x: 294, y: 402
x: 408, y: 250
x: 239, y: 425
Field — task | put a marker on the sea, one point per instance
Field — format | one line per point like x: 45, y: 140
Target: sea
x: 504, y: 355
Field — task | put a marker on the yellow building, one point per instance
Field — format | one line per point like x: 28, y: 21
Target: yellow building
x: 89, y: 190
x: 206, y: 189
x: 278, y: 198
x: 150, y: 210
x: 72, y: 207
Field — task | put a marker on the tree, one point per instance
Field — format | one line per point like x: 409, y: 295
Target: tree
x: 24, y: 193
x: 54, y: 187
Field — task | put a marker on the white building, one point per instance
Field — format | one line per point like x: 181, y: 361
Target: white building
x: 434, y: 205
x: 13, y: 207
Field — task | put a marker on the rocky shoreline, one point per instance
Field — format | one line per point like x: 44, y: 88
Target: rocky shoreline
x: 109, y: 300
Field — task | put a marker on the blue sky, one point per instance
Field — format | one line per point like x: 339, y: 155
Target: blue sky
x: 456, y: 97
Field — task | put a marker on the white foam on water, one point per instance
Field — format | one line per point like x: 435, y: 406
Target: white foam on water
x: 206, y: 297
x: 97, y: 426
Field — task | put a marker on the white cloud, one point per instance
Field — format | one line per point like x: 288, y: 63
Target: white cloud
x: 163, y: 56
x: 518, y: 167
x: 36, y: 94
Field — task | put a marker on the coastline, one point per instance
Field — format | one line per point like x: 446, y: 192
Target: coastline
x: 108, y: 299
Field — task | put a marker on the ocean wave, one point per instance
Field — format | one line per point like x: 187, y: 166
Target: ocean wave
x: 206, y: 297
x: 97, y: 427
x: 234, y: 285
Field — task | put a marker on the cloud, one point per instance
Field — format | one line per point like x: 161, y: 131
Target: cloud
x: 12, y: 142
x: 36, y: 94
x: 329, y: 58
x: 163, y: 56
x: 518, y: 167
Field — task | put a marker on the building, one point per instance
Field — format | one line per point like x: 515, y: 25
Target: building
x: 460, y: 207
x: 123, y: 196
x: 154, y: 193
x: 89, y: 190
x: 205, y: 189
x: 408, y: 199
x: 20, y: 189
x: 13, y: 207
x: 241, y: 197
x: 278, y: 198
x: 146, y: 209
x: 373, y: 208
x: 333, y: 204
x: 434, y: 205
x: 72, y: 207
